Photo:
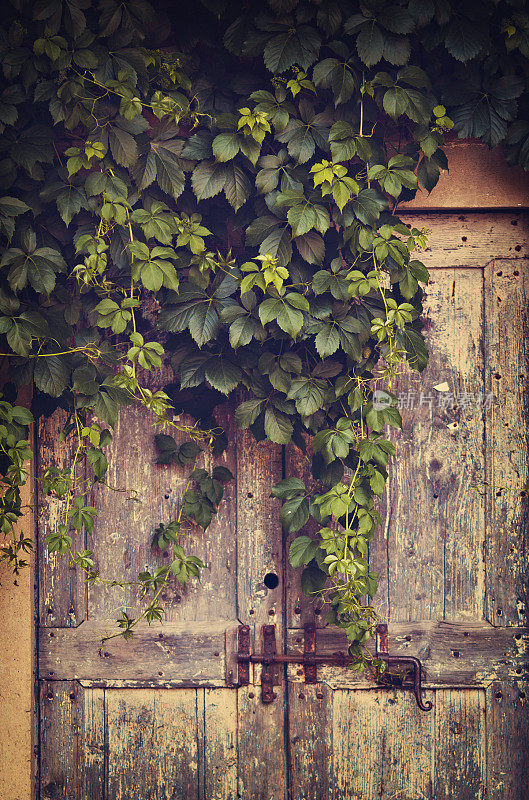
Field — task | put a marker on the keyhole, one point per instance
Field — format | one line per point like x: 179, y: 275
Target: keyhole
x: 271, y: 581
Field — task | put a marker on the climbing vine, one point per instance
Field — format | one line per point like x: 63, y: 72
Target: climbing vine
x: 230, y: 213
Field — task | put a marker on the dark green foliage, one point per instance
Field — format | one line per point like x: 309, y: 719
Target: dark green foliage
x: 233, y: 210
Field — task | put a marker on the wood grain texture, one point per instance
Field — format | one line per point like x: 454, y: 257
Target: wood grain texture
x: 259, y: 532
x: 431, y: 546
x: 300, y: 610
x: 261, y: 745
x: 310, y: 741
x: 460, y: 745
x: 382, y: 747
x: 477, y: 178
x: 470, y: 239
x: 220, y: 744
x: 456, y: 654
x: 508, y: 741
x: 261, y: 737
x: 152, y: 744
x: 174, y: 652
x: 124, y: 527
x: 62, y: 589
x: 507, y: 431
x: 71, y: 741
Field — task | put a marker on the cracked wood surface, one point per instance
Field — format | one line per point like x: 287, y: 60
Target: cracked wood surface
x: 154, y: 716
x: 460, y: 654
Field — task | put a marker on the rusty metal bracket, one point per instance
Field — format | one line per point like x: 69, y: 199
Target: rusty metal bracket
x: 243, y: 655
x: 270, y: 661
x: 309, y: 650
x: 403, y: 663
x: 269, y: 668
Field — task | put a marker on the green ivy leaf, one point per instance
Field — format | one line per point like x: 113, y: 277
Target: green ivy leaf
x: 248, y: 411
x: 223, y: 374
x: 208, y: 179
x: 52, y: 374
x: 313, y: 579
x: 204, y: 323
x: 277, y: 425
x: 302, y: 550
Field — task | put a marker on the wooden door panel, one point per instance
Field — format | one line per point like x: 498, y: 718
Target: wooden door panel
x: 72, y: 737
x: 460, y: 751
x: 150, y: 494
x: 429, y: 554
x: 176, y: 653
x: 507, y: 751
x: 372, y: 744
x: 311, y: 741
x: 62, y: 594
x: 507, y: 436
x: 453, y: 560
x: 155, y: 717
x: 152, y: 740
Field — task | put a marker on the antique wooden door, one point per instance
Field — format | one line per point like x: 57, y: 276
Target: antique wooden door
x: 161, y: 718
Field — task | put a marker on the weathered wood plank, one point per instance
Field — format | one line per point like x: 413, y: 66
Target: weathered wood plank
x: 300, y: 610
x: 310, y: 743
x: 261, y: 738
x: 259, y: 532
x: 507, y: 741
x: 174, y: 652
x: 62, y: 589
x: 507, y: 425
x: 126, y: 523
x: 477, y: 178
x: 460, y: 744
x: 152, y: 744
x: 261, y: 745
x: 220, y: 744
x: 471, y: 239
x: 452, y: 654
x: 382, y: 747
x: 433, y: 534
x: 71, y: 741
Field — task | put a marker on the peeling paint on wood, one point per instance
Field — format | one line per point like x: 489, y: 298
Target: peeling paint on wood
x: 507, y: 441
x: 154, y: 718
x: 310, y: 741
x: 152, y: 744
x: 471, y: 239
x: 220, y: 751
x: 382, y: 746
x: 62, y: 589
x: 179, y: 652
x: 72, y: 736
x: 431, y: 547
x: 457, y: 654
x: 460, y: 750
x: 507, y: 751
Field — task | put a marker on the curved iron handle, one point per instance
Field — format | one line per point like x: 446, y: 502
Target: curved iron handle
x: 381, y: 640
x: 415, y: 664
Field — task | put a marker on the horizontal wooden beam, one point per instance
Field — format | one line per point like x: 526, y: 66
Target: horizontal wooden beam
x: 470, y: 239
x: 452, y: 654
x: 179, y: 654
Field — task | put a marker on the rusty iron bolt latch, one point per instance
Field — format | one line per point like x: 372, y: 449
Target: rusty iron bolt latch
x: 270, y: 661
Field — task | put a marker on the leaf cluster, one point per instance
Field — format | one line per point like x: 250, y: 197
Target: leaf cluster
x: 230, y: 212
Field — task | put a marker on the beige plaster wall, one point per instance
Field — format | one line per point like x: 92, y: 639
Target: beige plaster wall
x: 16, y: 676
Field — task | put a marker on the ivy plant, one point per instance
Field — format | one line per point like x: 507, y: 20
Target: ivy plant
x: 231, y: 211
